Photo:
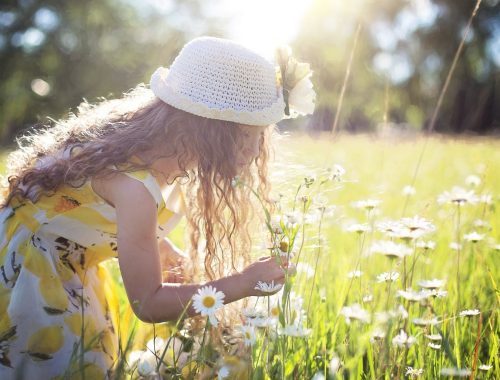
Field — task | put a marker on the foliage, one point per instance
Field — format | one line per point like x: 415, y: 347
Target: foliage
x: 54, y: 53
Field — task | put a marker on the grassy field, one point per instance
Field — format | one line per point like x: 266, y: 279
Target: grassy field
x: 397, y: 270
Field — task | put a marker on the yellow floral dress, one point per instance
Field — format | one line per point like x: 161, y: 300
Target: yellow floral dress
x: 57, y: 315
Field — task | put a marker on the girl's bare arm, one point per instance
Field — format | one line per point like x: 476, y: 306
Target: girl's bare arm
x: 139, y: 258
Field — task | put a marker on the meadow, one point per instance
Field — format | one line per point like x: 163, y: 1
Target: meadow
x: 396, y: 244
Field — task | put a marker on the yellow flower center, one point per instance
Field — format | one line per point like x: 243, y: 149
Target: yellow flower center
x: 275, y: 311
x: 208, y: 301
x: 284, y: 246
x: 247, y: 335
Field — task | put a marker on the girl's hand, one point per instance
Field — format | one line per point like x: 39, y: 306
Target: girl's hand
x: 266, y: 269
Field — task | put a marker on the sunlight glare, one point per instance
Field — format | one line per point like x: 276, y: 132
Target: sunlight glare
x: 264, y: 24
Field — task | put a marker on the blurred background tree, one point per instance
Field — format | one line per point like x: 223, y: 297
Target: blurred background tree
x: 54, y: 53
x: 403, y: 55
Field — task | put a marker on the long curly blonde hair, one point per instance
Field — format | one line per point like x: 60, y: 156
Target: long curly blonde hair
x: 110, y: 132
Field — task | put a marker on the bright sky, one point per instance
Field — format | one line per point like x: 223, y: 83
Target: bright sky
x: 263, y: 24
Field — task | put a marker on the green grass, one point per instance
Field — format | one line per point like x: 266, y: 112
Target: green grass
x: 379, y: 169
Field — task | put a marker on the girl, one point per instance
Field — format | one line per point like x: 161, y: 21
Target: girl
x: 106, y: 182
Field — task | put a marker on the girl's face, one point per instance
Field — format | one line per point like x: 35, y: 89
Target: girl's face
x: 248, y: 148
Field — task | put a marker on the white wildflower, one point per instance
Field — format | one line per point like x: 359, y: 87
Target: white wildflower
x: 387, y: 277
x: 458, y: 196
x: 367, y: 298
x: 390, y: 249
x: 207, y: 301
x: 265, y: 287
x: 469, y: 313
x: 337, y: 172
x: 414, y: 372
x: 354, y: 274
x: 418, y: 223
x: 455, y: 246
x: 402, y: 340
x: 487, y: 199
x: 457, y: 372
x: 146, y: 365
x: 473, y: 180
x: 409, y: 190
x: 249, y: 336
x: 223, y: 373
x: 335, y: 364
x: 377, y: 334
x: 479, y: 223
x: 368, y: 204
x: 356, y: 312
x: 296, y: 331
x: 427, y: 245
x: 434, y: 346
x: 434, y: 337
x: 431, y: 284
x: 425, y: 322
x: 358, y: 228
x: 318, y: 376
x: 485, y: 367
x: 474, y: 237
x: 412, y: 295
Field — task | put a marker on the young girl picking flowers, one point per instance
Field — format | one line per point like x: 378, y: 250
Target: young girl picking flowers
x: 106, y: 183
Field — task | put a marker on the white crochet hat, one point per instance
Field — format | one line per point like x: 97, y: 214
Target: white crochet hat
x: 221, y: 79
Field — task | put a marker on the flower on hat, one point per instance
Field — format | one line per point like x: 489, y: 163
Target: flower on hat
x: 295, y: 79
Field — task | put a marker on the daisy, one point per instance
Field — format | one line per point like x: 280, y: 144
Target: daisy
x: 265, y: 287
x: 474, y: 237
x: 402, y: 340
x: 207, y: 301
x: 368, y: 204
x: 388, y: 277
x: 295, y: 331
x: 418, y: 223
x: 354, y: 274
x: 412, y: 295
x: 367, y: 298
x: 414, y: 372
x: 479, y: 223
x: 457, y: 372
x: 434, y: 346
x: 434, y: 337
x: 355, y: 312
x: 337, y: 172
x: 146, y: 364
x: 390, y: 249
x: 377, y: 334
x: 458, y: 196
x: 388, y: 226
x: 335, y: 364
x: 358, y: 228
x: 485, y: 367
x: 425, y: 322
x: 249, y: 336
x: 486, y: 199
x: 469, y: 313
x: 223, y: 373
x: 427, y: 245
x: 409, y: 190
x: 473, y: 180
x: 431, y: 284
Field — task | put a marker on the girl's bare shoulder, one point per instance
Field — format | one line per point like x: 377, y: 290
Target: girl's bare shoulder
x: 120, y: 189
